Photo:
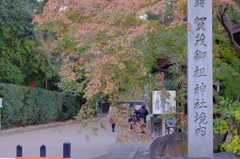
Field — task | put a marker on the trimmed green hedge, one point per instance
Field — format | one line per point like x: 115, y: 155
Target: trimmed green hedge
x: 27, y: 105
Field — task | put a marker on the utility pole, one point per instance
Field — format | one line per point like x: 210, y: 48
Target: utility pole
x: 163, y: 107
x: 162, y: 97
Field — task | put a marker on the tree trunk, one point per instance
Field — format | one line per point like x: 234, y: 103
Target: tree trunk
x: 227, y: 24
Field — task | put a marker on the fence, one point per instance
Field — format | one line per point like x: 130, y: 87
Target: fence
x: 66, y: 153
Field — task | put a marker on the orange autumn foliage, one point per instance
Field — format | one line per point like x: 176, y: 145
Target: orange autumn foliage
x: 96, y: 39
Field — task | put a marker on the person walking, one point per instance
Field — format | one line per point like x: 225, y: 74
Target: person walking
x: 111, y: 119
x: 132, y: 115
x: 142, y: 113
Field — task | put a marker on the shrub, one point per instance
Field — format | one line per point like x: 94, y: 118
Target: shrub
x: 231, y: 123
x: 27, y: 105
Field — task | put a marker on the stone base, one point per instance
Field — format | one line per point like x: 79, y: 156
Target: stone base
x: 215, y: 156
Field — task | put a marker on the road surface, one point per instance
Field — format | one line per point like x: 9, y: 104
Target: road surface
x: 98, y: 147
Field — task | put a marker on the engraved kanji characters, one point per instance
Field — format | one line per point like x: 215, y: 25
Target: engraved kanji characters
x: 200, y: 23
x: 199, y: 72
x: 201, y: 88
x: 200, y: 3
x: 199, y: 55
x: 201, y: 118
x: 201, y: 130
x: 200, y: 39
x: 201, y: 104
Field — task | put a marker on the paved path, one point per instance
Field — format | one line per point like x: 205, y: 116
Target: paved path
x: 98, y: 147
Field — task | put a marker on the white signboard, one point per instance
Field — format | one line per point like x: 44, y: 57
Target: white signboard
x: 0, y: 102
x: 157, y: 103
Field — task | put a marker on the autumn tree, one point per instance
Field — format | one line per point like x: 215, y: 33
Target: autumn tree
x: 112, y: 46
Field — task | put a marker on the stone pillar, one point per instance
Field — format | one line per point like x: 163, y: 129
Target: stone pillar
x: 200, y: 114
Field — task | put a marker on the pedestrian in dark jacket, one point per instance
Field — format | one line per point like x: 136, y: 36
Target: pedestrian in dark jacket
x: 132, y: 119
x: 142, y: 113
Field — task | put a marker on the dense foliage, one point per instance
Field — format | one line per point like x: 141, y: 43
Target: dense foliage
x: 230, y: 122
x: 21, y: 60
x: 26, y: 105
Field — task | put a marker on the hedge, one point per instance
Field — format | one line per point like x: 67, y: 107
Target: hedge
x: 27, y: 105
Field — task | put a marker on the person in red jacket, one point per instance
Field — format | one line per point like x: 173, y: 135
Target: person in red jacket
x: 111, y: 119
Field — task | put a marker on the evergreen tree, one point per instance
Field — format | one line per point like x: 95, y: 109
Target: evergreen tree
x: 20, y: 59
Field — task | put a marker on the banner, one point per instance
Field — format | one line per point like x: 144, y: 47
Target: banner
x: 169, y: 103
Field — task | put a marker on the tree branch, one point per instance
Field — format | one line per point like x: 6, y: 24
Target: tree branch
x: 227, y: 24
